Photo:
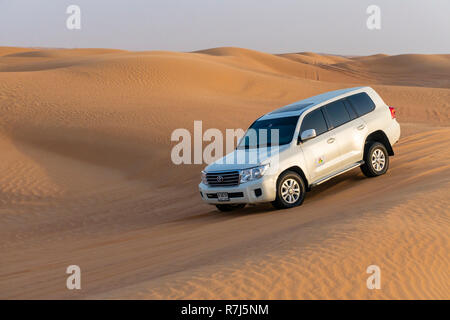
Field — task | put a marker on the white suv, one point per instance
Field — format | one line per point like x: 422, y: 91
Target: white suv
x: 317, y: 139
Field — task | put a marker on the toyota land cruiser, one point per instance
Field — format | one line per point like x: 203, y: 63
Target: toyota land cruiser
x: 317, y: 139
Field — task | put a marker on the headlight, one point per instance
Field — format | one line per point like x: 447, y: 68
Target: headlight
x: 253, y: 173
x: 204, y: 177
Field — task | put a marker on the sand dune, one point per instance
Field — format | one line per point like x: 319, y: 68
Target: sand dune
x: 86, y: 179
x: 405, y: 69
x: 314, y: 58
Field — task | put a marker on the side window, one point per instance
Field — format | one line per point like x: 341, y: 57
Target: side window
x: 337, y: 113
x: 314, y: 120
x: 350, y: 110
x: 362, y: 103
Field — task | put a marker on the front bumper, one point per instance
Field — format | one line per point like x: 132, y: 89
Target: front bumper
x: 266, y: 184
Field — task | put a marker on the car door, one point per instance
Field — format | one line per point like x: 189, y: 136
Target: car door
x: 321, y: 152
x: 349, y: 131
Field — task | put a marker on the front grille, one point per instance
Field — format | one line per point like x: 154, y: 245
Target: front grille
x: 230, y: 195
x: 223, y: 179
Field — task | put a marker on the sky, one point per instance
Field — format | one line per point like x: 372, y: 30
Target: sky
x: 275, y: 26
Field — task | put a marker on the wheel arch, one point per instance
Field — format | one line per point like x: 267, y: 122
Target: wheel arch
x: 379, y: 136
x: 298, y: 170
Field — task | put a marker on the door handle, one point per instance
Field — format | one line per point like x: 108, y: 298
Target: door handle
x: 361, y: 126
x: 331, y: 140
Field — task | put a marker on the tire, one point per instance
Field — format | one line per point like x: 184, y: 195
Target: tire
x: 287, y: 197
x: 376, y: 160
x: 229, y: 207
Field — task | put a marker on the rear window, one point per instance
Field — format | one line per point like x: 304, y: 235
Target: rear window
x: 314, y: 120
x: 362, y: 103
x: 337, y: 113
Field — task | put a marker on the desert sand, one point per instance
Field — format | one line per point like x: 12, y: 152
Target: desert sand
x: 86, y: 179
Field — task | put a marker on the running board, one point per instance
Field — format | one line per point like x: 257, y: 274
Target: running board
x: 326, y: 178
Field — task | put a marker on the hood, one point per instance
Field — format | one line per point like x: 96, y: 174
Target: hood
x: 246, y: 158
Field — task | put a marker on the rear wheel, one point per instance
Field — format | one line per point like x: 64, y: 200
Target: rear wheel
x: 291, y: 190
x: 229, y: 207
x: 376, y: 160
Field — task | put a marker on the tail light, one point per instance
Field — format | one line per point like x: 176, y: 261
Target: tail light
x: 392, y: 110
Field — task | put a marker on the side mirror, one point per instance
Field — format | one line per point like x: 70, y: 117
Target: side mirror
x: 308, y: 134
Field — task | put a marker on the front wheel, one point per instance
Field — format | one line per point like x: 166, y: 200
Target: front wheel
x: 376, y: 160
x: 291, y: 190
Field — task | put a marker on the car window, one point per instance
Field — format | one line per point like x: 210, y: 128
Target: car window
x: 314, y: 120
x: 350, y: 110
x: 362, y: 103
x: 337, y: 113
x: 260, y: 134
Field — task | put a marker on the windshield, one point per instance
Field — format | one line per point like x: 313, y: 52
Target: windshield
x: 271, y: 132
